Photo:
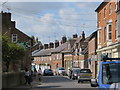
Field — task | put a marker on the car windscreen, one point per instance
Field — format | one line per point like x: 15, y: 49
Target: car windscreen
x: 85, y: 71
x: 61, y: 69
x: 111, y: 73
x: 76, y: 71
x: 48, y: 70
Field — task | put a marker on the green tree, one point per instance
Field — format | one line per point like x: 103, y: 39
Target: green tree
x: 11, y: 52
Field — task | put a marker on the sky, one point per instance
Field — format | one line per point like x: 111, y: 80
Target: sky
x: 49, y: 21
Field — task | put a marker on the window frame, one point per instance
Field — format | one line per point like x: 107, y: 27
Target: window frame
x: 109, y: 32
x: 14, y: 37
x: 110, y: 9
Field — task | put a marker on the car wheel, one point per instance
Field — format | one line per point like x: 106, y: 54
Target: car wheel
x: 78, y: 81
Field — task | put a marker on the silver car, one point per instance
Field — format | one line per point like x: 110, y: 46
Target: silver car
x: 84, y: 75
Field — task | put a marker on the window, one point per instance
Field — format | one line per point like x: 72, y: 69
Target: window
x: 109, y: 32
x: 14, y: 37
x: 57, y: 56
x: 110, y: 9
x: 69, y: 46
x: 105, y: 34
x: 116, y: 4
x: 110, y: 73
x: 104, y: 12
x: 116, y: 30
x: 99, y: 19
x: 99, y: 37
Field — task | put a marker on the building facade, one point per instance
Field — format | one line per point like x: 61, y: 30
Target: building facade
x: 107, y: 30
x: 92, y: 54
x: 17, y: 36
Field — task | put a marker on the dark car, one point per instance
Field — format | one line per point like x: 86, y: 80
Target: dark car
x: 75, y: 72
x: 84, y: 75
x: 48, y: 72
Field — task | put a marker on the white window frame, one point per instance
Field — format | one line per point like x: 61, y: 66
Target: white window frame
x: 105, y: 34
x: 14, y: 36
x: 110, y: 9
x: 57, y: 57
x: 105, y: 13
x: 109, y: 32
x: 116, y: 29
x: 99, y: 37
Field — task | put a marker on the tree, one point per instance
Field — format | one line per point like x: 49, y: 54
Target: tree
x: 11, y: 52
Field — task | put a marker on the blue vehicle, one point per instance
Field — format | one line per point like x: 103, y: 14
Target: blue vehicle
x: 109, y: 74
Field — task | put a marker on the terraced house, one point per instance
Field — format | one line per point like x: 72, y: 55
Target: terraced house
x: 108, y: 30
x: 17, y: 36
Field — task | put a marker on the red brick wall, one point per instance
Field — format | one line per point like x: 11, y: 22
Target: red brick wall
x: 102, y: 22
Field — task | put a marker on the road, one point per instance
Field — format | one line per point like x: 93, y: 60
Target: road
x: 59, y: 82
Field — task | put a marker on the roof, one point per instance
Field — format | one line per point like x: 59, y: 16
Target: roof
x: 23, y: 33
x: 94, y: 34
x: 60, y: 48
x: 39, y: 43
x: 43, y: 52
x: 71, y: 42
x: 101, y: 5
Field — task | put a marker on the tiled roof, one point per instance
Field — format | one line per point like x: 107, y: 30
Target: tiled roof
x: 71, y: 42
x: 60, y: 48
x: 43, y: 52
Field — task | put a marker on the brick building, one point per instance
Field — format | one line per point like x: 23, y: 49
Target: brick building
x: 92, y: 54
x: 118, y: 26
x: 80, y: 55
x: 17, y: 36
x: 37, y: 46
x: 68, y: 52
x: 107, y: 30
x: 48, y: 56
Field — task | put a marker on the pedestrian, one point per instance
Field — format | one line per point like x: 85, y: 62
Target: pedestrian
x: 35, y: 71
x: 39, y: 74
x: 70, y: 73
x: 28, y: 77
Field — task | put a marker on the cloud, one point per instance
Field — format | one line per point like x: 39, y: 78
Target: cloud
x: 55, y: 0
x: 49, y: 21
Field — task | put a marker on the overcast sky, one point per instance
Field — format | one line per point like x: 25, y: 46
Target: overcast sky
x: 51, y: 20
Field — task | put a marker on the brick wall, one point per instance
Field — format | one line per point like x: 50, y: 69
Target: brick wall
x: 104, y: 16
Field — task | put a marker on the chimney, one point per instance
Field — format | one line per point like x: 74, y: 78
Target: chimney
x: 75, y: 36
x: 41, y: 47
x: 51, y: 45
x: 64, y: 39
x: 56, y: 43
x: 6, y: 19
x: 83, y: 35
x: 45, y: 46
x: 13, y: 24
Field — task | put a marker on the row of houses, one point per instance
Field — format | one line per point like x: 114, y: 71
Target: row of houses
x: 16, y: 36
x: 86, y: 52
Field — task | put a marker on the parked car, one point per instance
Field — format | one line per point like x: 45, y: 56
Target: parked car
x: 61, y: 71
x: 75, y: 72
x: 84, y: 75
x: 48, y: 72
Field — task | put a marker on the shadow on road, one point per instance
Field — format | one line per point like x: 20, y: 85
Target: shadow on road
x: 47, y: 87
x: 55, y: 79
